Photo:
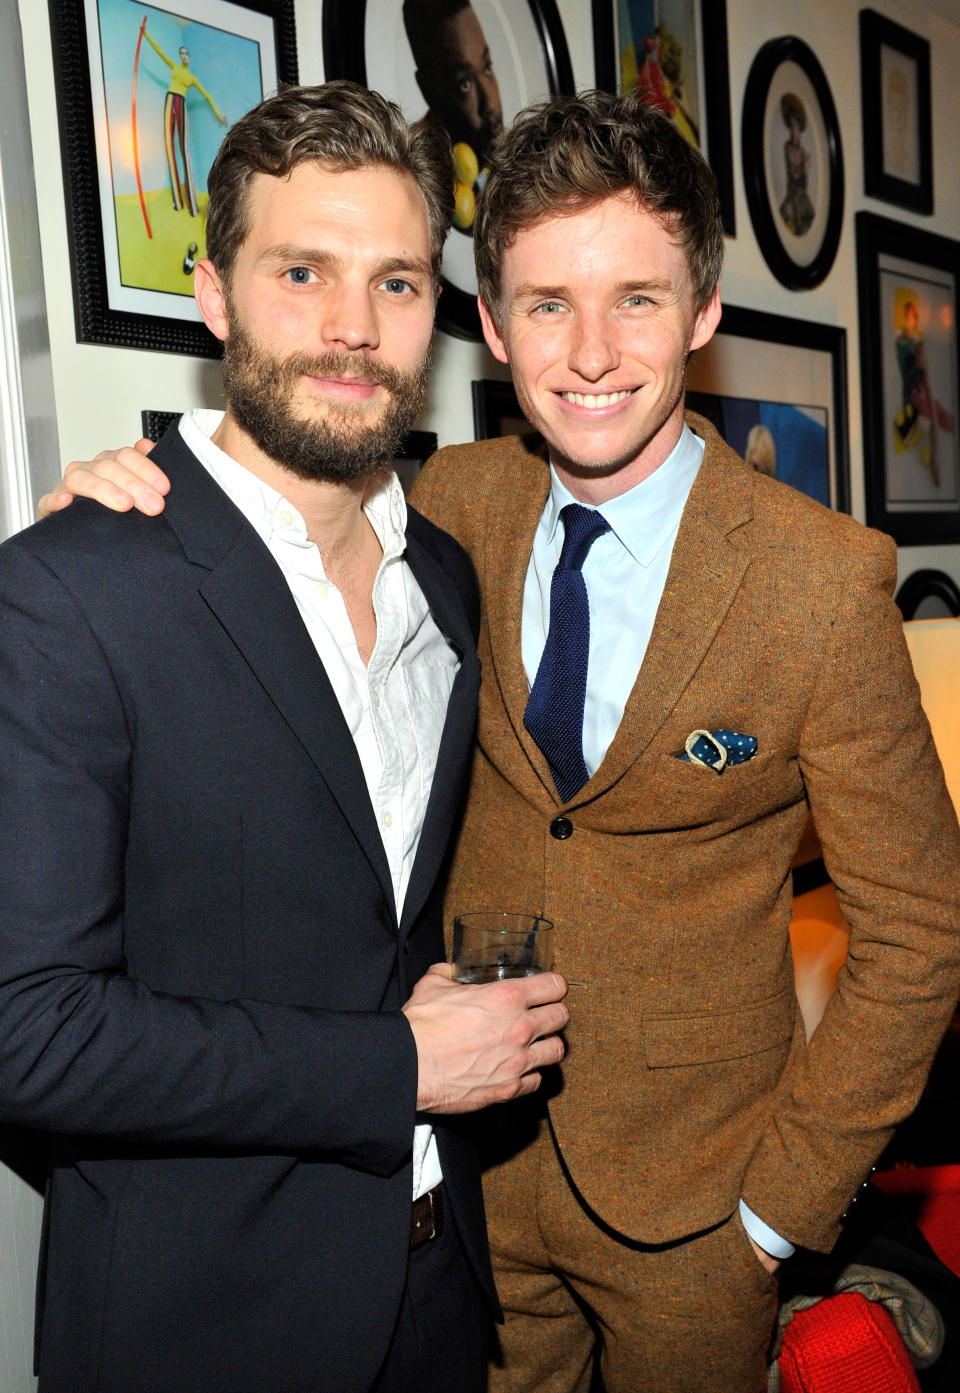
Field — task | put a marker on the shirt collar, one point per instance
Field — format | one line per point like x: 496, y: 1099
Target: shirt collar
x: 646, y: 517
x: 269, y: 512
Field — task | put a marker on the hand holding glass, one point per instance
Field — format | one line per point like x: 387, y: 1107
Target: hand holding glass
x: 491, y: 945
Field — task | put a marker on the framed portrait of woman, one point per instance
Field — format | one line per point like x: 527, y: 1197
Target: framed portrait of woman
x: 792, y: 163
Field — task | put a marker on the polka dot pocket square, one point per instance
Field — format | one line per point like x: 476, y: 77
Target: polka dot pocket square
x: 715, y: 749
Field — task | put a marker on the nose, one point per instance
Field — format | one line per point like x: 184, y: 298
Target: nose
x: 488, y: 93
x: 594, y: 350
x: 349, y: 319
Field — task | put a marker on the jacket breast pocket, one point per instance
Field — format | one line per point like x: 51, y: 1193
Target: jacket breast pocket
x: 681, y: 794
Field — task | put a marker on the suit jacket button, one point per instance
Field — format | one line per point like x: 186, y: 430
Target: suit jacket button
x: 561, y: 828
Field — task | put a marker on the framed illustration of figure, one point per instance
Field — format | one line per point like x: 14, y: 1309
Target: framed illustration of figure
x: 674, y: 52
x: 895, y: 100
x: 792, y: 163
x: 145, y: 93
x: 908, y: 283
x: 469, y: 66
x: 776, y: 390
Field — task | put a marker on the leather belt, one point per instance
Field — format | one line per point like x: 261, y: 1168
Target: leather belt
x: 426, y: 1220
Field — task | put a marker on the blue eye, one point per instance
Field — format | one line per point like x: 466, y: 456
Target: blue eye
x: 300, y: 275
x: 396, y: 286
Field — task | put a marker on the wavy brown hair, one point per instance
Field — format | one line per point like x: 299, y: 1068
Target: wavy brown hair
x: 568, y: 153
x: 339, y: 125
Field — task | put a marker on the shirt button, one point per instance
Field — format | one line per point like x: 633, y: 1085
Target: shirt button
x: 286, y: 518
x: 386, y: 819
x: 376, y: 698
x: 561, y: 828
x: 320, y: 589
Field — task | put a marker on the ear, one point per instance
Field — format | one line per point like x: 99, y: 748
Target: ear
x: 211, y: 301
x: 493, y: 336
x: 705, y: 324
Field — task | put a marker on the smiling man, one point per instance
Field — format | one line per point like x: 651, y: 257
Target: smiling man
x: 237, y: 739
x: 681, y: 658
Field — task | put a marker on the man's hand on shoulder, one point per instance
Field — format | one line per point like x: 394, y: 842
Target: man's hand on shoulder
x: 483, y: 1044
x: 119, y: 479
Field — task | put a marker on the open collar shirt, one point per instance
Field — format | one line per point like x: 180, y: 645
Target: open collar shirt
x: 395, y: 705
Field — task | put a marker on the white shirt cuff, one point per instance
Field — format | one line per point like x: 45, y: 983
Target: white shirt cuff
x: 763, y: 1235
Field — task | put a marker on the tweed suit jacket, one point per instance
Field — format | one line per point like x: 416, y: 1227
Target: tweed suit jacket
x: 688, y: 1082
x: 201, y: 964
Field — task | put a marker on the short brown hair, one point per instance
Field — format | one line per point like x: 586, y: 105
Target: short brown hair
x: 568, y: 153
x: 340, y: 125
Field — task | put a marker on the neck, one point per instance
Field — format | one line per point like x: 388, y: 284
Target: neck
x: 331, y: 509
x: 597, y: 486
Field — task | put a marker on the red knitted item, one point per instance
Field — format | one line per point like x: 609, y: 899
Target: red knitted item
x: 938, y: 1205
x: 845, y: 1344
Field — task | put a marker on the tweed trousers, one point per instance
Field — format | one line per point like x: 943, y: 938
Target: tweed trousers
x: 694, y: 1316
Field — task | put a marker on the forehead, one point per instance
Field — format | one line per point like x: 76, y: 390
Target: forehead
x: 613, y: 240
x: 460, y: 36
x: 374, y: 210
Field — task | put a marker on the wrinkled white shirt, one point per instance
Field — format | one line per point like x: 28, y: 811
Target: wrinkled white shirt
x: 395, y: 705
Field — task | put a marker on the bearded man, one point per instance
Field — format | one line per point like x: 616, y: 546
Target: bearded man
x: 236, y: 740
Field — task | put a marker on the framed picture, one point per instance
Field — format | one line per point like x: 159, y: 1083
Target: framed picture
x: 496, y: 410
x: 144, y: 97
x: 785, y: 412
x: 470, y: 72
x: 895, y: 99
x: 792, y: 163
x: 675, y: 52
x: 908, y: 284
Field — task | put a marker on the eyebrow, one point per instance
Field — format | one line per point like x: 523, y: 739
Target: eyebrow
x: 316, y: 256
x: 529, y: 290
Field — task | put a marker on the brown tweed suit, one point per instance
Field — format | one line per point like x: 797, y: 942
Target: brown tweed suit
x: 688, y: 1083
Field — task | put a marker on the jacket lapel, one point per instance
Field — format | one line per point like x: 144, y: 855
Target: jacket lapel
x: 706, y: 572
x: 456, y: 742
x: 246, y: 591
x: 509, y: 541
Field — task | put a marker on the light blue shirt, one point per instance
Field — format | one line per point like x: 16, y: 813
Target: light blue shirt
x: 625, y: 573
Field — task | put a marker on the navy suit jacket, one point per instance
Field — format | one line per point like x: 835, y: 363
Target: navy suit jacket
x: 201, y: 969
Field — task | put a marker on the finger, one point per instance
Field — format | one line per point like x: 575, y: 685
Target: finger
x: 110, y: 481
x: 52, y: 502
x: 444, y: 970
x: 548, y: 1020
x: 145, y: 446
x: 82, y: 482
x: 537, y: 989
x: 543, y: 1053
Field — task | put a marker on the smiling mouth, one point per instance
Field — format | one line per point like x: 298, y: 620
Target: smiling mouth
x: 595, y: 400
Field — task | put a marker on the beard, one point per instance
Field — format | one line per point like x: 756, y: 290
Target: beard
x: 260, y: 389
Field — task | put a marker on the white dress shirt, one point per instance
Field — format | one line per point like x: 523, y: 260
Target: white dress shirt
x: 625, y: 572
x: 396, y: 704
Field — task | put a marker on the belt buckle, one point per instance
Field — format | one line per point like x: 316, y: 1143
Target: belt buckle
x: 426, y: 1218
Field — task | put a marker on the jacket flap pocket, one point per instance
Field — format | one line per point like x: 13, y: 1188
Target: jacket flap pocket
x: 706, y: 1039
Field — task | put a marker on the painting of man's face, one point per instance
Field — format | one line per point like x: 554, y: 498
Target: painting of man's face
x: 456, y: 76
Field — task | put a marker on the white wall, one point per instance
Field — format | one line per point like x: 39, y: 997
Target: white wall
x: 100, y: 391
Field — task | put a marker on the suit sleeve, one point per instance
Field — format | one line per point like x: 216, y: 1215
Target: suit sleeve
x: 87, y: 1049
x: 891, y: 845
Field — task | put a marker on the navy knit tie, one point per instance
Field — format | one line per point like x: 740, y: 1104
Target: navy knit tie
x: 554, y: 714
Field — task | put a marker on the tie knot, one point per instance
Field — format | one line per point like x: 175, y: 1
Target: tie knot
x: 581, y: 528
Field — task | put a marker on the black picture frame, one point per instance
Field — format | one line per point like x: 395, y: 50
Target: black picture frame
x: 797, y: 234
x: 807, y: 374
x: 99, y: 317
x: 534, y: 63
x: 496, y: 410
x: 910, y: 379
x: 895, y: 105
x: 714, y: 64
